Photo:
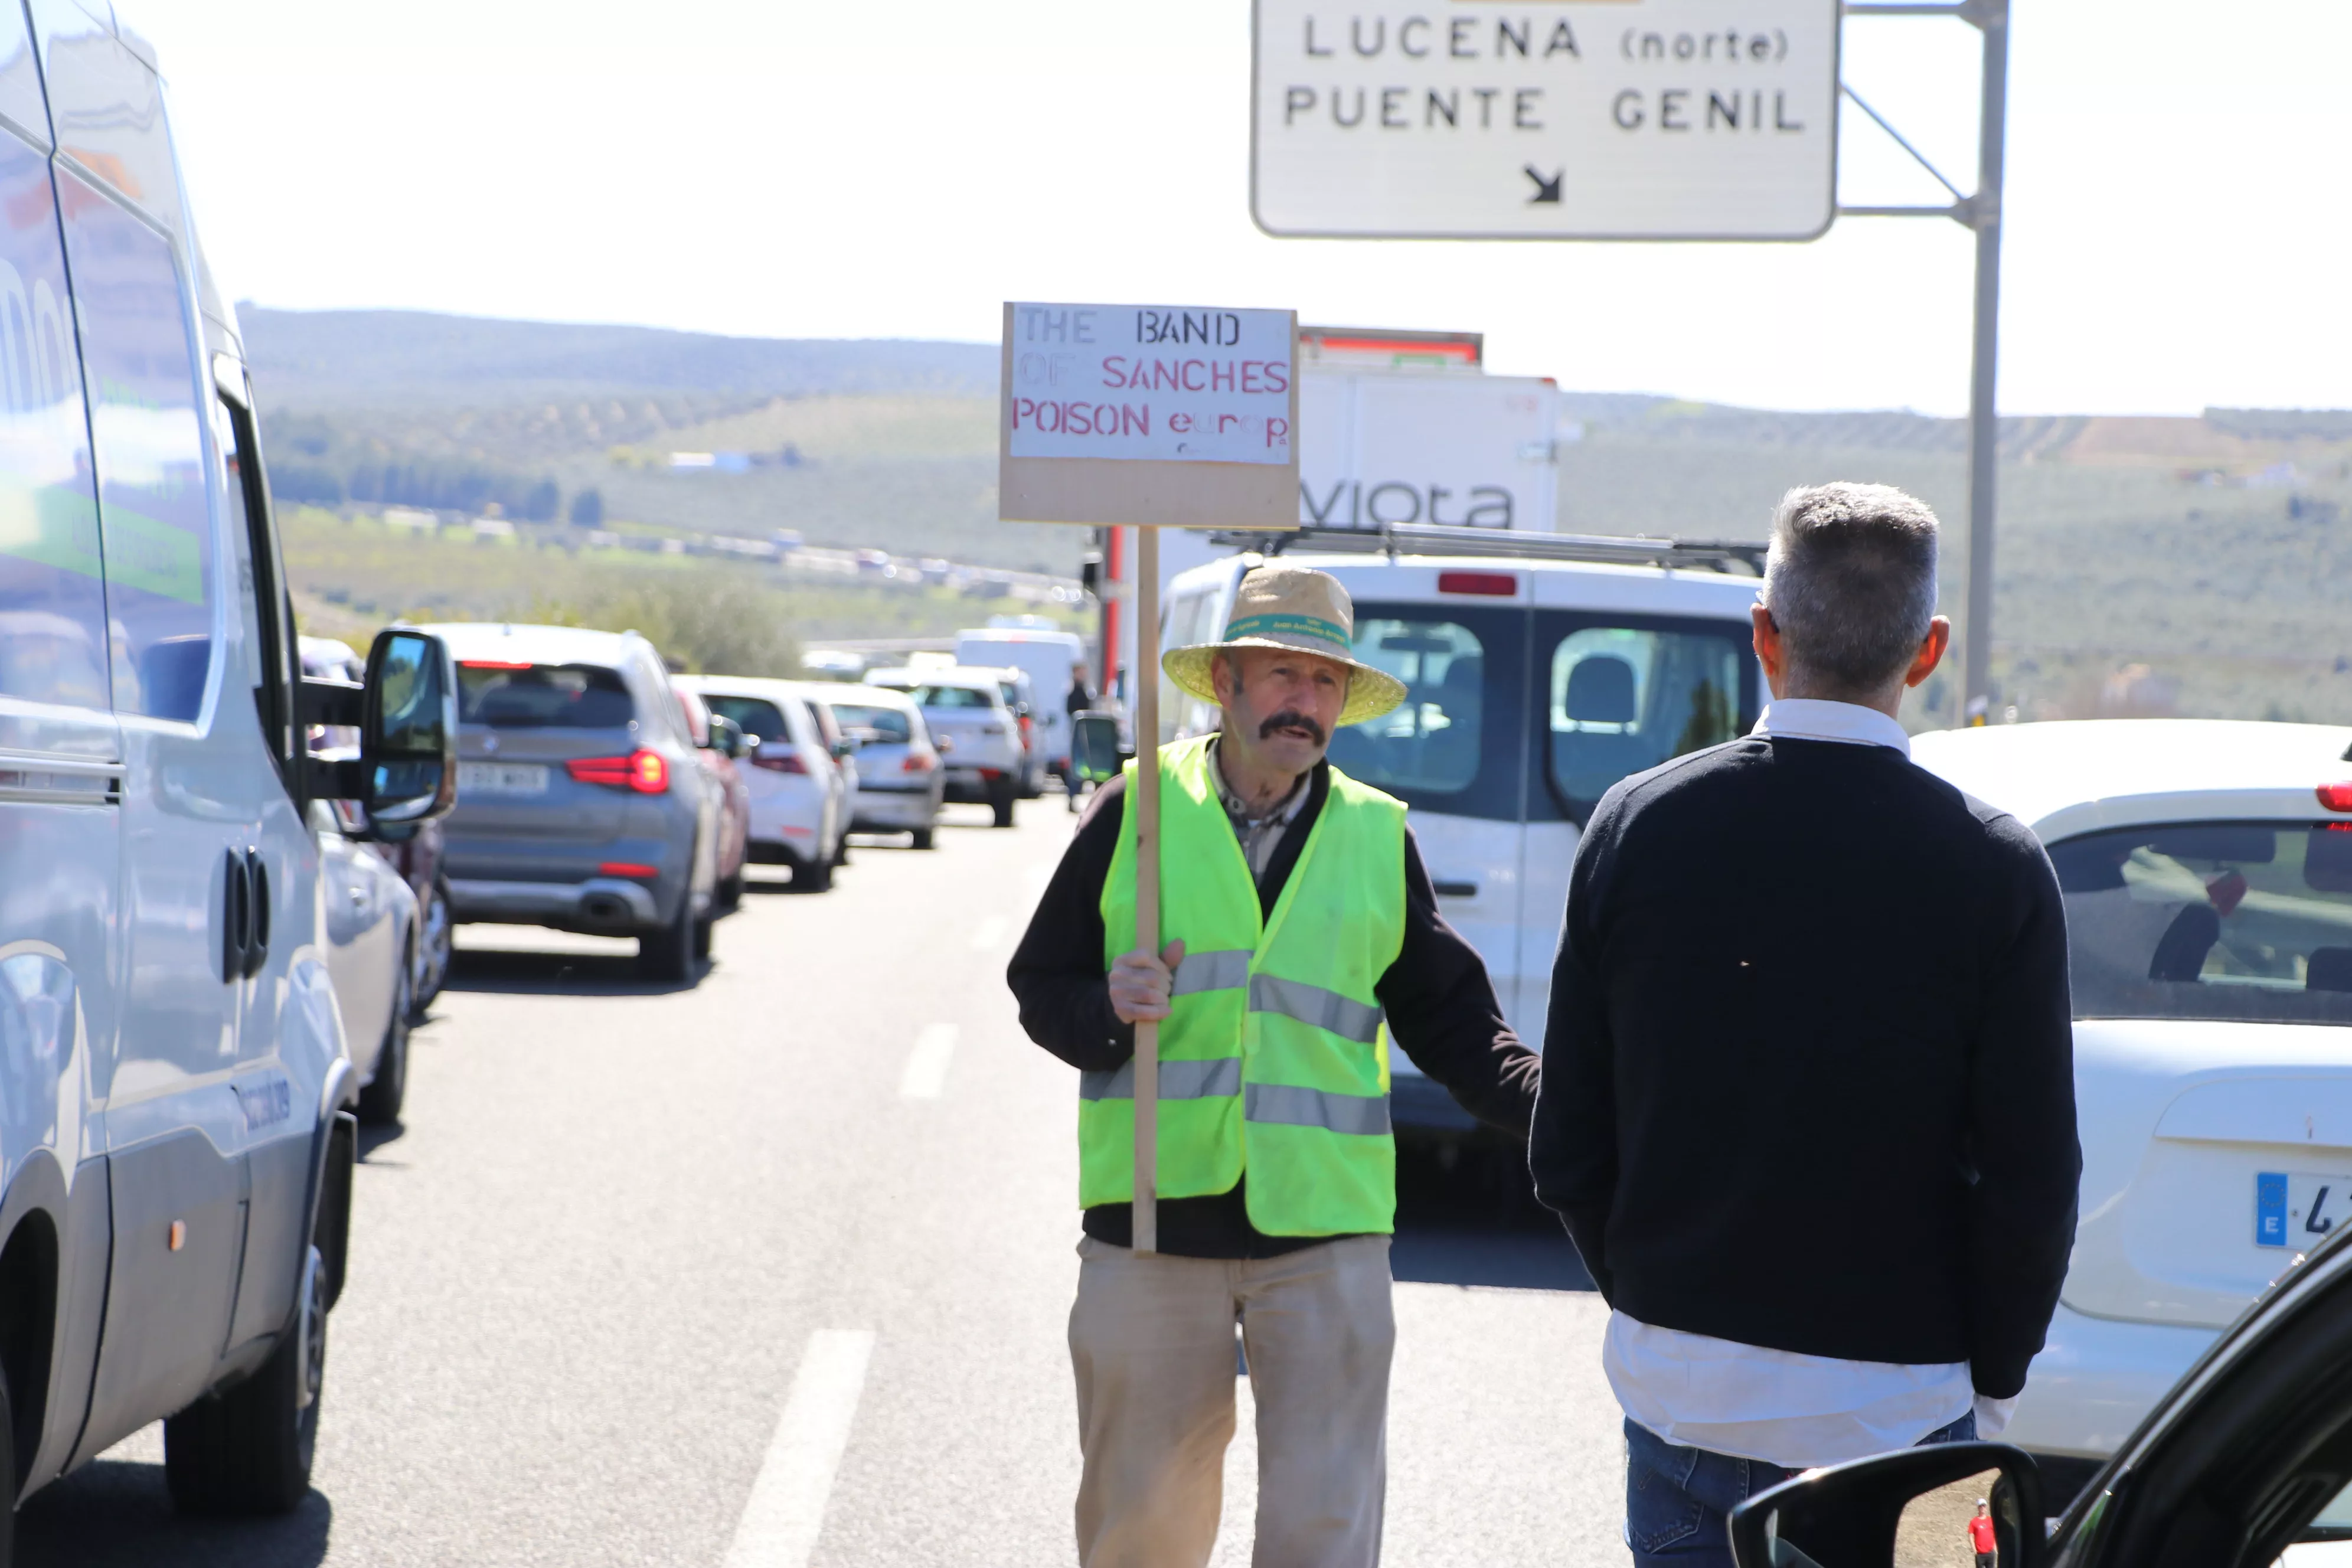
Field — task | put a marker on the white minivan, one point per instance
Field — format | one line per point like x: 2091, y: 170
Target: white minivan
x: 176, y: 1141
x: 1540, y: 669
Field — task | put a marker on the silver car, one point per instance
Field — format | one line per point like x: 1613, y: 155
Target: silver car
x: 900, y: 780
x: 580, y: 804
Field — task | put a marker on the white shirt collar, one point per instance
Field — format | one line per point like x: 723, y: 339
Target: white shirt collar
x: 1812, y: 718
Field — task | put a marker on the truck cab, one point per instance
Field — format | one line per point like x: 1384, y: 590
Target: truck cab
x: 176, y: 1140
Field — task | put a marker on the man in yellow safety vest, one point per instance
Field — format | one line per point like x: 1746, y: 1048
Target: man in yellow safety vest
x: 1302, y: 935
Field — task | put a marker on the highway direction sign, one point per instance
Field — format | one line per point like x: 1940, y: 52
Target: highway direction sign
x: 1546, y: 119
x: 1164, y: 415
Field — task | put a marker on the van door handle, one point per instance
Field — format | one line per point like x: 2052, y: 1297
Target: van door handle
x: 1456, y: 889
x: 237, y: 915
x: 245, y: 925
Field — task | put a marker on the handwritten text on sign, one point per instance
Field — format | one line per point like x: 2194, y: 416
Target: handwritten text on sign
x: 1158, y: 382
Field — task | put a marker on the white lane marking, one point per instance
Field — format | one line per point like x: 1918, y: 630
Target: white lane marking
x: 786, y: 1511
x: 927, y: 1069
x: 990, y: 935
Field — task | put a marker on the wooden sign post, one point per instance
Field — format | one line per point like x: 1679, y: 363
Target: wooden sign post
x: 1160, y: 417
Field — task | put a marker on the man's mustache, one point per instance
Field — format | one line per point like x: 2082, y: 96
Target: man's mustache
x: 1291, y: 719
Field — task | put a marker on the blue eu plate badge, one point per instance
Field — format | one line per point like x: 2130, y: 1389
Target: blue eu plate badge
x: 2270, y: 1209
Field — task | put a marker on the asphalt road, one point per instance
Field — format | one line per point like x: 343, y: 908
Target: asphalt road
x: 776, y: 1269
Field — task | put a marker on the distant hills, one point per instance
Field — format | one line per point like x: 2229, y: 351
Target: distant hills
x: 2214, y: 550
x: 359, y: 358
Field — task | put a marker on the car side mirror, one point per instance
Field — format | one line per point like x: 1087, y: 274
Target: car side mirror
x: 1913, y: 1505
x: 1093, y: 747
x: 842, y: 748
x: 726, y: 737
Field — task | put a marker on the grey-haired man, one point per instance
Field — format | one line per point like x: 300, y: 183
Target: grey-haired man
x: 1807, y: 1102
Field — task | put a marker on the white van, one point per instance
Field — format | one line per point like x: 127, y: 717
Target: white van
x: 1541, y: 670
x: 1048, y: 658
x: 175, y: 1136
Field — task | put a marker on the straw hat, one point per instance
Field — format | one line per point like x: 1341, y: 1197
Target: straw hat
x: 1291, y: 607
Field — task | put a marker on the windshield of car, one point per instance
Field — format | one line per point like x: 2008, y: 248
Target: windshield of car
x: 512, y: 696
x: 2211, y: 920
x: 951, y: 697
x: 757, y: 716
x: 886, y: 726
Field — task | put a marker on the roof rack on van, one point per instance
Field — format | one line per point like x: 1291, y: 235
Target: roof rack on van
x: 1431, y: 539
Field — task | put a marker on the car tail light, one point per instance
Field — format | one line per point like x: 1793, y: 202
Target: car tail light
x: 992, y: 774
x: 1024, y: 731
x: 918, y: 763
x: 627, y: 868
x: 1492, y: 584
x: 782, y: 760
x: 647, y: 773
x: 2336, y: 796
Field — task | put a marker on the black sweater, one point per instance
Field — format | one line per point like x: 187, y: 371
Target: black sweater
x: 1808, y: 1079
x: 1440, y: 1006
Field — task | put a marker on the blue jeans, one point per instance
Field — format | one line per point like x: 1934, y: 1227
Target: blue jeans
x: 1678, y: 1501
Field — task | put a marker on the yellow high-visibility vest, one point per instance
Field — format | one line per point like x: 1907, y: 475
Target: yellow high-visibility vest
x: 1273, y: 1058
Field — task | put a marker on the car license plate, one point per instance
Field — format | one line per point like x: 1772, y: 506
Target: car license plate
x: 501, y: 778
x: 2293, y: 1208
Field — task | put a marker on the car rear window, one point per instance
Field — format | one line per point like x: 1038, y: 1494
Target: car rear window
x: 886, y: 725
x: 543, y: 696
x: 951, y: 697
x: 2249, y: 921
x: 757, y: 715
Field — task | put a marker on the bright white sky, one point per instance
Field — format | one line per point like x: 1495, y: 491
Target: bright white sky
x: 2178, y: 231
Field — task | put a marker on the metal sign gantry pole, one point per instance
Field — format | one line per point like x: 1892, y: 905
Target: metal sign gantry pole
x: 1981, y: 213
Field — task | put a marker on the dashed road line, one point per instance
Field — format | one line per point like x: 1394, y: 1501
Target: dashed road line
x: 781, y: 1522
x: 990, y: 935
x: 926, y: 1077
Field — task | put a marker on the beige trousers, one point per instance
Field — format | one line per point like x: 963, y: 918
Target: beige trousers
x: 1151, y: 1341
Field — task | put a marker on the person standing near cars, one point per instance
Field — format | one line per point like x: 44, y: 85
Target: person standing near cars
x: 1297, y: 917
x: 1079, y: 700
x: 1808, y: 1104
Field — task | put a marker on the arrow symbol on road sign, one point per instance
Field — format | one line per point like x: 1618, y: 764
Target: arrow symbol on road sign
x: 1546, y: 190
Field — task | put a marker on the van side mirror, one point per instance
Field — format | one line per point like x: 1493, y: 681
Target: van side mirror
x: 406, y: 714
x: 1913, y: 1505
x: 1093, y: 747
x: 408, y: 733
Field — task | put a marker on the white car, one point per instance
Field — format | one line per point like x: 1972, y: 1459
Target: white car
x: 899, y: 780
x: 1048, y: 656
x: 2207, y: 871
x: 975, y: 732
x: 800, y: 797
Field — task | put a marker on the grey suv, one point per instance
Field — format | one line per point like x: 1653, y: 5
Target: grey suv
x: 579, y: 802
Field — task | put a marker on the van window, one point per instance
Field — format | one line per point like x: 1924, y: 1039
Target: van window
x: 1430, y: 741
x: 756, y: 716
x: 151, y: 495
x: 52, y: 590
x: 543, y: 697
x: 2211, y: 920
x: 1625, y: 699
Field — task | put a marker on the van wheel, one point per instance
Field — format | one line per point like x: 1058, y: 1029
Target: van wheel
x: 922, y: 837
x: 814, y: 875
x: 668, y: 955
x: 1000, y: 800
x: 248, y: 1451
x: 702, y: 937
x: 380, y: 1101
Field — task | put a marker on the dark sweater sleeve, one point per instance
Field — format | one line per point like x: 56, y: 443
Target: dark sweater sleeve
x: 1057, y: 974
x: 1572, y: 1146
x: 1442, y: 1011
x: 2028, y: 1163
